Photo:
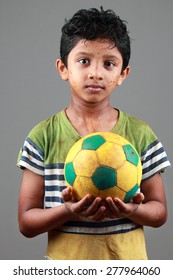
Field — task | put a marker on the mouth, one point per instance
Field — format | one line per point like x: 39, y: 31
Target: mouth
x: 95, y: 88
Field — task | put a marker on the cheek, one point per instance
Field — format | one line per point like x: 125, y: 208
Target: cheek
x: 112, y: 83
x: 74, y: 75
x: 74, y: 81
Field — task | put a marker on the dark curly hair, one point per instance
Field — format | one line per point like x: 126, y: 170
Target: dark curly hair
x: 94, y: 24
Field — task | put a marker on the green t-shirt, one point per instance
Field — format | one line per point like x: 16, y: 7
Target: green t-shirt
x: 44, y: 152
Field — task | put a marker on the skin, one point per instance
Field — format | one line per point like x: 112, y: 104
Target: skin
x: 94, y: 71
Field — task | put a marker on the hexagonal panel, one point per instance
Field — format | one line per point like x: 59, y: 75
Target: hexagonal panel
x: 127, y: 176
x: 115, y: 138
x: 93, y: 142
x: 75, y: 149
x: 85, y: 162
x: 139, y: 170
x: 104, y: 177
x: 113, y: 192
x: 83, y: 186
x: 112, y: 155
x: 131, y: 154
x: 70, y: 174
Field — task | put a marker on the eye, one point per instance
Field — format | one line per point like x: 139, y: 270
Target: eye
x: 84, y: 61
x: 109, y: 64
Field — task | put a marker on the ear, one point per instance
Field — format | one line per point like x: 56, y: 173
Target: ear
x: 123, y: 75
x: 62, y: 70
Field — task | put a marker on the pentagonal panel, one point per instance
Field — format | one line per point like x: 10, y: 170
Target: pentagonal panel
x: 131, y: 154
x: 104, y: 177
x: 70, y: 174
x: 131, y: 193
x: 93, y: 142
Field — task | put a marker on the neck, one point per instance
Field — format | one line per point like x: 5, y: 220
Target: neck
x: 89, y: 119
x: 84, y: 111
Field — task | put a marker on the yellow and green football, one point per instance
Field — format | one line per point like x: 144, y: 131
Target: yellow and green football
x: 103, y: 164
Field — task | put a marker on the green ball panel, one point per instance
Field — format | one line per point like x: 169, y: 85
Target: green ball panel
x: 104, y: 178
x: 70, y: 174
x: 131, y: 193
x: 131, y: 154
x: 93, y: 142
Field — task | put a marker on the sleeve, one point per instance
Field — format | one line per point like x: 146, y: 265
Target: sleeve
x: 154, y: 160
x: 31, y: 157
x: 153, y: 156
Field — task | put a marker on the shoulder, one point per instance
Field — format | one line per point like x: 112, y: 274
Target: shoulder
x: 153, y: 156
x: 137, y: 131
x: 45, y: 129
x: 133, y: 121
x: 46, y: 126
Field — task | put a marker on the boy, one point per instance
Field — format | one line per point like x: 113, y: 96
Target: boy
x: 95, y: 53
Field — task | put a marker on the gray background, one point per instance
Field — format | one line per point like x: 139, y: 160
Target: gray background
x: 31, y: 90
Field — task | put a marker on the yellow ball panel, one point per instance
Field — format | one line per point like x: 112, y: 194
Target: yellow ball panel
x: 114, y: 138
x: 111, y: 155
x: 85, y: 163
x: 112, y: 192
x: 83, y: 186
x: 139, y: 168
x: 75, y: 149
x: 127, y: 176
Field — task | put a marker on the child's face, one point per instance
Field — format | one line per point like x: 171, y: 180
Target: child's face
x: 94, y: 70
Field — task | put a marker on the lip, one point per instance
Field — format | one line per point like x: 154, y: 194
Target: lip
x: 94, y: 87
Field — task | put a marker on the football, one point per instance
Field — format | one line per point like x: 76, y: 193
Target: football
x: 103, y: 164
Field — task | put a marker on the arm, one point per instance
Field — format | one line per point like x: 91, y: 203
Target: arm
x: 34, y: 219
x: 148, y: 210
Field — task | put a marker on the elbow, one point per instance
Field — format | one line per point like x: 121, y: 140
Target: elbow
x: 25, y: 229
x: 160, y: 220
x: 26, y: 232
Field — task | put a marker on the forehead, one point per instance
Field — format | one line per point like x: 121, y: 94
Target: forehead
x: 96, y: 47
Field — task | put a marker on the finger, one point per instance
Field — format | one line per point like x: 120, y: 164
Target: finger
x: 82, y: 204
x: 99, y: 215
x: 94, y: 206
x: 112, y: 205
x: 138, y: 198
x: 66, y: 194
x: 122, y: 206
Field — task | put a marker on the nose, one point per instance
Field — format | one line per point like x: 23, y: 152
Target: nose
x: 95, y: 73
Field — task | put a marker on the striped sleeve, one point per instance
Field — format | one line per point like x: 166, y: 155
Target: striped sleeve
x: 154, y: 160
x: 31, y: 157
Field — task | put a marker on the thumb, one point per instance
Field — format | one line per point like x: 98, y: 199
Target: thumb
x: 66, y: 194
x: 138, y: 198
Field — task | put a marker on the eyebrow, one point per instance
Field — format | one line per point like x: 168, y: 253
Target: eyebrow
x: 110, y: 56
x: 106, y: 56
x: 84, y: 53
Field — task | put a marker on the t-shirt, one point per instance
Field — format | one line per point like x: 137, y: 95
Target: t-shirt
x: 44, y: 152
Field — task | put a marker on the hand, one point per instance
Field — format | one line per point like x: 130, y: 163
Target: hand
x: 87, y: 207
x: 116, y: 208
